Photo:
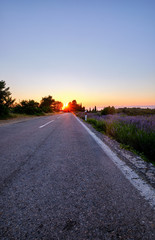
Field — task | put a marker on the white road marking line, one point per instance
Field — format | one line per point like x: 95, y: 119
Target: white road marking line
x: 58, y: 117
x: 46, y: 124
x: 145, y: 189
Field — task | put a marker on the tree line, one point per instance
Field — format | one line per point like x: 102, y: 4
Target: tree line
x: 74, y: 107
x: 31, y: 107
x: 124, y: 111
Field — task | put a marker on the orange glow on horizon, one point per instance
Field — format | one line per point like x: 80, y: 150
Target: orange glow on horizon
x: 65, y: 105
x: 98, y: 99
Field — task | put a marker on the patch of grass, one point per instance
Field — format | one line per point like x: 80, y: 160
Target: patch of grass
x: 92, y: 121
x: 138, y: 139
x: 20, y: 115
x: 98, y: 125
x: 23, y: 115
x: 131, y: 137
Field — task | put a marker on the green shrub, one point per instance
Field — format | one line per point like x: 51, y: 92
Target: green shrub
x: 140, y: 140
x: 92, y: 121
x: 108, y: 110
x: 128, y: 134
x: 101, y: 126
x: 136, y: 111
x: 28, y: 107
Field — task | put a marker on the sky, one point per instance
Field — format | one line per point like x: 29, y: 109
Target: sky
x: 99, y: 52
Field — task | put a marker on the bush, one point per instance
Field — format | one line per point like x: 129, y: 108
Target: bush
x: 46, y: 104
x: 4, y: 111
x: 136, y: 111
x: 139, y: 139
x: 92, y: 121
x: 99, y: 125
x: 108, y: 110
x: 28, y: 107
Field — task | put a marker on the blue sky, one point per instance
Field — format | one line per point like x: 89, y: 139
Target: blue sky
x: 98, y: 52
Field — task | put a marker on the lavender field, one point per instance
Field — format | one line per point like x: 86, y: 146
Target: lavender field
x: 135, y: 132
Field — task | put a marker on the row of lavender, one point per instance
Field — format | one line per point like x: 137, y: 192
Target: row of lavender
x: 137, y: 132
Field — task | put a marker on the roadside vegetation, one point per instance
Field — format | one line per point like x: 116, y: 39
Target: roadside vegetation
x: 74, y: 107
x: 135, y: 133
x: 123, y: 111
x: 134, y: 128
x: 10, y: 109
x: 6, y: 101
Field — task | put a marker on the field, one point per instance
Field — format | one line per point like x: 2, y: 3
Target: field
x: 136, y: 133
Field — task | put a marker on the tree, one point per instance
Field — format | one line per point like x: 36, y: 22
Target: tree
x: 6, y: 100
x: 57, y: 106
x: 108, y: 110
x: 94, y: 110
x: 74, y: 106
x: 29, y: 107
x: 47, y: 104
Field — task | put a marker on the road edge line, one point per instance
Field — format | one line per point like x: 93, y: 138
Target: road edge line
x: 144, y: 188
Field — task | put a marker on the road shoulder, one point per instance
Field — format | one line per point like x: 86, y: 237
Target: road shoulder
x: 144, y: 169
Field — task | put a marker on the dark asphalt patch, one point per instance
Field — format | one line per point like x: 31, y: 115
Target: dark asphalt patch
x: 69, y: 225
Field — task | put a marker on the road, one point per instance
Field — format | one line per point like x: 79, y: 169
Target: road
x: 57, y: 183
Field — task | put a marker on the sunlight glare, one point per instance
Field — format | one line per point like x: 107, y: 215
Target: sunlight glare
x: 65, y: 105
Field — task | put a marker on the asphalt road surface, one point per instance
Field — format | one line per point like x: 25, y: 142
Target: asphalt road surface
x: 57, y: 183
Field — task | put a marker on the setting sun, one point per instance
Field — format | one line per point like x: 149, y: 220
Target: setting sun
x: 65, y: 105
